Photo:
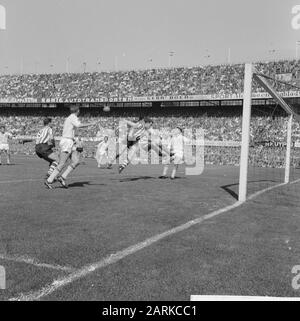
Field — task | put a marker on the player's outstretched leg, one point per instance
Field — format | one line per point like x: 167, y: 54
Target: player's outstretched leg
x: 111, y: 161
x: 63, y: 159
x: 123, y: 166
x: 131, y: 152
x: 75, y: 160
x: 160, y: 149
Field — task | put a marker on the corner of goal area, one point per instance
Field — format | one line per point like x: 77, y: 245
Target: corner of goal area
x: 220, y: 298
x: 25, y: 275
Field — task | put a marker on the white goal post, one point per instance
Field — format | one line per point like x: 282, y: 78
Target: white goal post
x: 252, y: 75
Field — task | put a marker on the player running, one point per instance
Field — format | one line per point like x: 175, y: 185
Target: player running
x: 68, y: 148
x: 136, y: 132
x: 176, y: 147
x: 102, y: 151
x: 4, y: 144
x: 45, y: 144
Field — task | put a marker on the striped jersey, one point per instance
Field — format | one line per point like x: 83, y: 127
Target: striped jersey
x: 137, y: 132
x: 4, y: 138
x: 44, y: 135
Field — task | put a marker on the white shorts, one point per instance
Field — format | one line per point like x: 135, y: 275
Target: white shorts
x: 66, y: 145
x: 4, y: 147
x: 177, y: 159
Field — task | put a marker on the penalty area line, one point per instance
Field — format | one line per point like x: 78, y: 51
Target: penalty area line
x: 28, y: 180
x: 270, y: 188
x: 114, y: 258
x: 32, y: 261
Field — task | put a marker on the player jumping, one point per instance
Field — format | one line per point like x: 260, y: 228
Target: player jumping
x: 137, y: 137
x: 68, y: 148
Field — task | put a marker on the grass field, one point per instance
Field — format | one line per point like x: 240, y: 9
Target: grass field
x: 123, y: 237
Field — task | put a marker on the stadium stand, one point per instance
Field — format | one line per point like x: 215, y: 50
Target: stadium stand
x: 220, y: 123
x: 221, y: 79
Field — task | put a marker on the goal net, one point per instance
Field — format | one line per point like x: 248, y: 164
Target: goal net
x: 270, y: 147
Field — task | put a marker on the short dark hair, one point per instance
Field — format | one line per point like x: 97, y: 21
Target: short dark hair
x: 74, y: 108
x: 47, y: 121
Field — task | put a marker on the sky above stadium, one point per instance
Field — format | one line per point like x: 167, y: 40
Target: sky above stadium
x: 57, y: 35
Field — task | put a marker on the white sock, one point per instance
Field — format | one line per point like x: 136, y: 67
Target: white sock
x: 52, y: 177
x: 67, y: 172
x: 173, y: 172
x: 52, y: 168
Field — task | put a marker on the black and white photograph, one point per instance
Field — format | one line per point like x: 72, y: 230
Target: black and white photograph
x: 149, y: 152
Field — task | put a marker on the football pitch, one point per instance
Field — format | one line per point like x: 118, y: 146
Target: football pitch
x: 136, y: 237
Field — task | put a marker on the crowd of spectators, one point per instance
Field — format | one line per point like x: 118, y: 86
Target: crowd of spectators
x: 214, y: 128
x: 218, y: 125
x: 220, y: 129
x: 201, y: 80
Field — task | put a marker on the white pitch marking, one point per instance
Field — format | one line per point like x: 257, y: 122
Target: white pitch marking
x: 265, y: 190
x: 113, y: 258
x: 296, y: 181
x: 221, y: 298
x: 32, y: 261
x: 270, y: 188
x: 28, y: 180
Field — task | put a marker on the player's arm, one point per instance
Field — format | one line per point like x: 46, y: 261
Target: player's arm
x: 78, y: 124
x: 51, y: 134
x: 87, y: 124
x: 25, y: 141
x: 131, y: 123
x: 100, y: 143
